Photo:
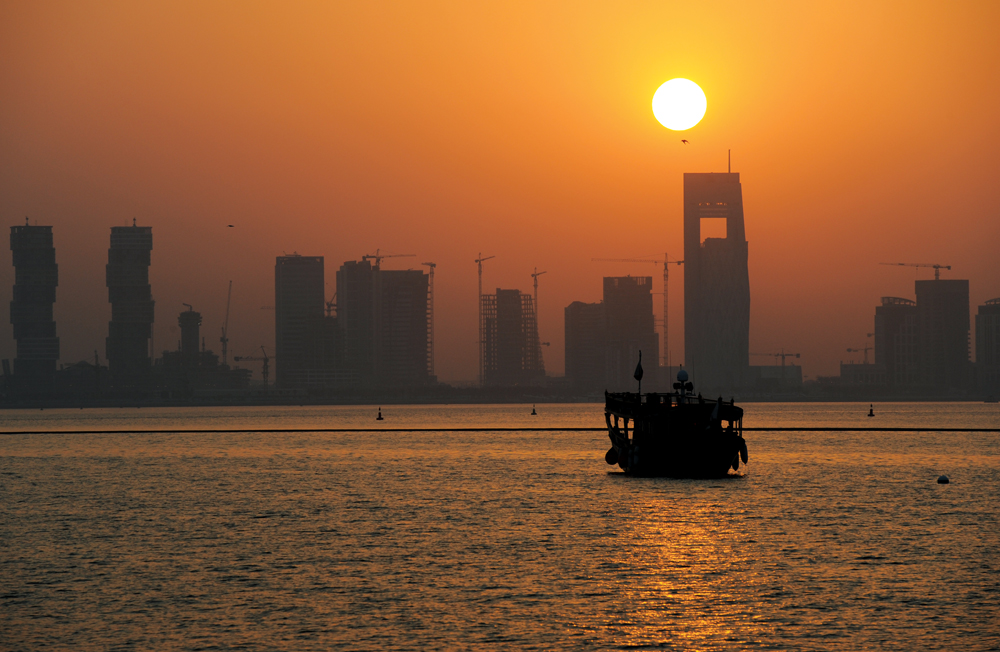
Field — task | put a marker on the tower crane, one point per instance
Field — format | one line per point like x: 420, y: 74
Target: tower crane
x: 378, y: 256
x: 865, y: 350
x: 937, y: 268
x: 430, y: 325
x: 781, y: 355
x: 867, y: 347
x: 482, y: 335
x: 534, y: 277
x: 262, y: 358
x: 666, y: 262
x: 225, y: 327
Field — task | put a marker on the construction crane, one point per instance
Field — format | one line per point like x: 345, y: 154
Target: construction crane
x: 482, y: 335
x: 225, y: 327
x: 331, y: 305
x: 262, y: 358
x: 430, y: 313
x: 865, y: 350
x: 868, y: 347
x: 937, y: 268
x: 666, y: 262
x: 378, y: 256
x: 781, y: 355
x: 535, y: 276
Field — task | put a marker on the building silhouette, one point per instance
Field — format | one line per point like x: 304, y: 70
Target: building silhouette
x: 896, y: 342
x: 189, y: 322
x: 36, y: 276
x: 384, y: 320
x: 299, y: 300
x: 716, y: 283
x: 511, y: 351
x: 988, y: 346
x: 943, y: 332
x: 628, y: 307
x: 586, y: 342
x: 131, y: 303
x: 603, y: 340
x: 191, y: 367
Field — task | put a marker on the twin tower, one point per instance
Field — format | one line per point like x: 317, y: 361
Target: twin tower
x: 36, y: 276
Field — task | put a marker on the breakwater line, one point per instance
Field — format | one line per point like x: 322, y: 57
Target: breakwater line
x: 196, y: 431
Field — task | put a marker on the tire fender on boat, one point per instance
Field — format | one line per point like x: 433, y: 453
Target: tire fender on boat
x: 736, y: 462
x: 611, y: 457
x: 743, y: 451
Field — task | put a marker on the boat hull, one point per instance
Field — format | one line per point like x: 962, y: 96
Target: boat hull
x: 708, y: 455
x: 674, y: 435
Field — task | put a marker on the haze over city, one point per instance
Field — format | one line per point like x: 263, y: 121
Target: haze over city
x: 446, y: 130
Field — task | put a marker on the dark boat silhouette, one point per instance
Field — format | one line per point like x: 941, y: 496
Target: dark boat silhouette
x: 675, y: 434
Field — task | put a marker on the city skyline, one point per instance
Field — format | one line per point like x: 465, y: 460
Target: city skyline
x: 677, y: 314
x: 545, y: 156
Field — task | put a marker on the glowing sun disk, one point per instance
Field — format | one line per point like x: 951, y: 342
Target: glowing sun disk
x: 679, y: 104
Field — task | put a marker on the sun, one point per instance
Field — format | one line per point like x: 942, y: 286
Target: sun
x: 679, y: 104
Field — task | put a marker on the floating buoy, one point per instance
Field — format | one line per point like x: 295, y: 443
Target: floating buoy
x: 943, y: 479
x: 611, y: 457
x: 871, y: 410
x: 379, y: 417
x: 533, y: 413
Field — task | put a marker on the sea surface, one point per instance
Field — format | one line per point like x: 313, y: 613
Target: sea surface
x: 517, y: 540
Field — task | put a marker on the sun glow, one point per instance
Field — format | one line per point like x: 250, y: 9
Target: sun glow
x: 679, y: 104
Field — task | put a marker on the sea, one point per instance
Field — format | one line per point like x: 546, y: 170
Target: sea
x: 493, y: 540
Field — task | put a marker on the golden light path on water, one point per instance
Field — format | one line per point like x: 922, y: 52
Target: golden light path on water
x: 443, y: 540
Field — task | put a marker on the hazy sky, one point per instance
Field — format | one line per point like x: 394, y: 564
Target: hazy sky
x: 862, y: 134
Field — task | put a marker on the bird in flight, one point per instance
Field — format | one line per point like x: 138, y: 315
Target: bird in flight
x: 230, y: 226
x: 684, y: 141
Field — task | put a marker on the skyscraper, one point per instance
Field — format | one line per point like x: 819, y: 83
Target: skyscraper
x: 402, y: 328
x: 716, y: 283
x: 943, y: 322
x: 896, y: 339
x: 385, y: 323
x: 586, y: 335
x: 988, y: 345
x: 510, y: 348
x: 190, y: 325
x: 36, y: 276
x: 299, y: 298
x: 628, y: 310
x: 131, y: 302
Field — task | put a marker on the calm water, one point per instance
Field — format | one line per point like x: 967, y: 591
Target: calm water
x: 517, y: 540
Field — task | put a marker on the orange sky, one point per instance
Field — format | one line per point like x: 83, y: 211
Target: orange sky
x: 523, y: 131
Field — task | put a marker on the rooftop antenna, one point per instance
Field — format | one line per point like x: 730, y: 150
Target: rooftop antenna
x: 133, y: 221
x: 730, y: 161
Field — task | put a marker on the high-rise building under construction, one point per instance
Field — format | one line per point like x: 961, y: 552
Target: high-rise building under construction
x: 988, y: 346
x: 628, y: 306
x: 299, y: 297
x: 132, y: 304
x: 384, y: 320
x: 510, y: 349
x: 943, y: 323
x: 36, y: 276
x: 716, y: 283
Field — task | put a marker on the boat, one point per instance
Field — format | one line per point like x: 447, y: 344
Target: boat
x: 675, y: 434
